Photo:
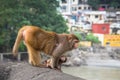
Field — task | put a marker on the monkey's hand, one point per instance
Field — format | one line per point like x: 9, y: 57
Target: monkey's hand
x: 47, y: 63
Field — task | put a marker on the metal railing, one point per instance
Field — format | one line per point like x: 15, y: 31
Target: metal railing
x: 18, y: 57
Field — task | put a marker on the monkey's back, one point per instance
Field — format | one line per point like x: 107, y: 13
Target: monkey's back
x: 40, y: 39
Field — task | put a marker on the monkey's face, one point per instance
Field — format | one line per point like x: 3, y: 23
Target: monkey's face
x: 76, y: 44
x: 63, y: 59
x: 74, y: 41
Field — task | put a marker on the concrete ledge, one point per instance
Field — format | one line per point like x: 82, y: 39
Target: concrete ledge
x: 24, y: 71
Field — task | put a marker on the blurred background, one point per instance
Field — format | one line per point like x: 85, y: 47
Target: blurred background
x: 95, y: 22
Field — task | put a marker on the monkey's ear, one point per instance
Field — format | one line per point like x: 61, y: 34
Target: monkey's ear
x: 69, y: 36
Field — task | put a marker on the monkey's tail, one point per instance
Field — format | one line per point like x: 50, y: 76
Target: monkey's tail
x: 17, y: 42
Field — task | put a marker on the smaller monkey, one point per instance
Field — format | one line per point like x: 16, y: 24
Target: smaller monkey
x: 62, y: 59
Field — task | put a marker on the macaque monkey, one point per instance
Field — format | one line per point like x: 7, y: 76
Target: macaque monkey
x: 51, y: 43
x: 62, y: 59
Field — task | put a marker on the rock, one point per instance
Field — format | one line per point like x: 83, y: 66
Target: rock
x: 67, y: 64
x: 4, y: 71
x: 24, y: 71
x: 76, y: 61
x: 76, y: 58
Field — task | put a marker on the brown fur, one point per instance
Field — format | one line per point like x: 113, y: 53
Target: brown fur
x: 38, y: 40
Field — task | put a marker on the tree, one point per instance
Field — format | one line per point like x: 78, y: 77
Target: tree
x: 95, y: 3
x: 92, y: 38
x: 114, y: 4
x: 16, y: 13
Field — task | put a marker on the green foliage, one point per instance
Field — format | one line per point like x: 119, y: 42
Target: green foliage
x: 95, y: 3
x: 22, y: 47
x: 79, y: 36
x: 87, y: 37
x: 92, y: 38
x: 114, y: 4
x: 17, y: 13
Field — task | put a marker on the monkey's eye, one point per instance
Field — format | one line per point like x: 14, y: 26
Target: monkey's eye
x: 76, y: 41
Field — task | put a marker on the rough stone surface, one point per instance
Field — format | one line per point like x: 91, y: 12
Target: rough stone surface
x: 24, y: 71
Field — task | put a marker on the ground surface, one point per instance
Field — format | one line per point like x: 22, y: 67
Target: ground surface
x: 24, y: 71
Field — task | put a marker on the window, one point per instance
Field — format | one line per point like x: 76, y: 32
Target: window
x: 96, y: 16
x: 73, y: 0
x: 85, y: 8
x: 74, y: 8
x: 79, y: 1
x: 63, y: 8
x: 79, y: 8
x: 103, y: 6
x: 100, y: 17
x: 88, y: 15
x: 89, y: 8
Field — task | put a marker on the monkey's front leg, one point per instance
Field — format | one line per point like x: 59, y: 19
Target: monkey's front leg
x: 56, y: 56
x: 54, y: 62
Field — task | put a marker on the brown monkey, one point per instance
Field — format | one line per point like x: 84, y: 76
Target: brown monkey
x: 62, y: 59
x: 51, y: 43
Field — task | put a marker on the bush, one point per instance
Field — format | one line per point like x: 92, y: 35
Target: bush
x: 22, y: 47
x: 92, y: 38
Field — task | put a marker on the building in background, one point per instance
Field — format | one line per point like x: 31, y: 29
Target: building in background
x: 81, y: 18
x: 72, y: 11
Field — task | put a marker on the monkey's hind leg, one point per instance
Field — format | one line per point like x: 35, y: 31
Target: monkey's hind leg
x: 34, y: 57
